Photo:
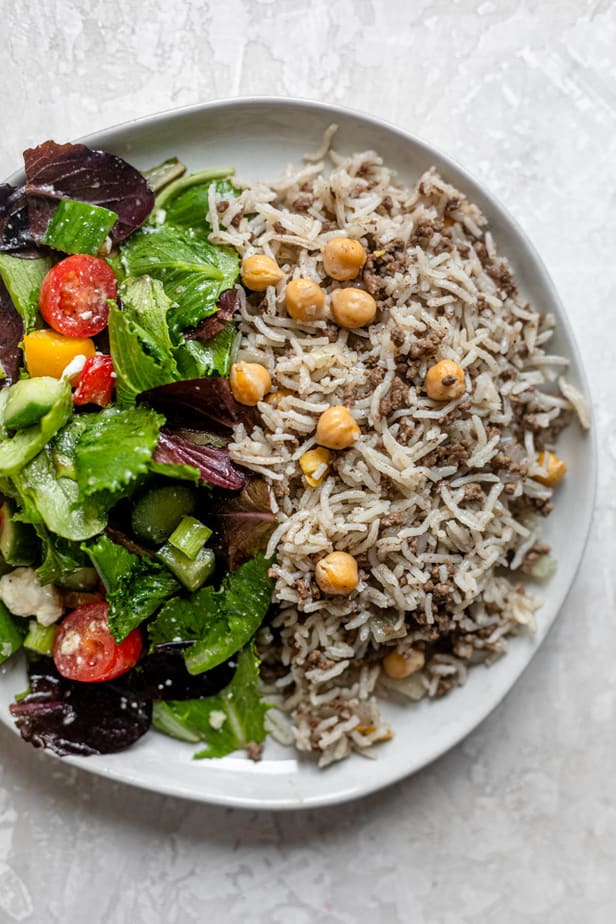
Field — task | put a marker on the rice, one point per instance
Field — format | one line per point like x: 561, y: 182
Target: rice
x: 437, y: 503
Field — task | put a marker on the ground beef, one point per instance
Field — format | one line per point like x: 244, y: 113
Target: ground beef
x: 456, y: 452
x: 452, y: 205
x: 424, y: 232
x: 281, y: 490
x: 349, y: 394
x: 375, y: 376
x: 391, y: 519
x: 396, y: 398
x: 316, y: 659
x: 254, y: 750
x: 303, y: 203
x: 385, y: 207
x: 473, y: 492
x: 482, y: 252
x: 426, y: 346
x: 501, y: 275
x: 533, y: 555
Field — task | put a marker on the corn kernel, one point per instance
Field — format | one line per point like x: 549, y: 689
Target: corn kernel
x: 556, y: 469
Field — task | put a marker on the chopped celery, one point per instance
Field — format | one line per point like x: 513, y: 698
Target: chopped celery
x: 40, y: 638
x: 79, y: 227
x: 192, y: 573
x: 189, y: 536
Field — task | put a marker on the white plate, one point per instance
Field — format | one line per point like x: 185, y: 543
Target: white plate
x: 260, y: 137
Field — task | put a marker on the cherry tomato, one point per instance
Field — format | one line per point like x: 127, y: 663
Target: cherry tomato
x: 73, y: 295
x: 96, y: 381
x: 85, y: 650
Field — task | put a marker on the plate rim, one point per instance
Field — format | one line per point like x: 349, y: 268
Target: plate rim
x: 478, y: 716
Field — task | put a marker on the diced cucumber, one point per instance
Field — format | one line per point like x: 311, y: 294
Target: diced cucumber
x: 18, y: 541
x: 79, y: 227
x: 189, y: 536
x: 40, y: 638
x: 29, y: 400
x: 191, y: 572
x: 12, y: 631
x: 157, y: 513
x: 83, y: 579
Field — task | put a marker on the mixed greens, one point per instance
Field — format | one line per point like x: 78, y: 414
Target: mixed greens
x: 132, y: 571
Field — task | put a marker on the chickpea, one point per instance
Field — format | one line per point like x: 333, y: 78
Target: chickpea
x: 343, y: 258
x: 556, y: 469
x: 336, y: 429
x: 353, y: 308
x: 276, y: 398
x: 305, y: 300
x: 445, y: 381
x: 259, y: 272
x: 250, y: 382
x: 400, y: 664
x: 337, y: 573
x: 313, y: 461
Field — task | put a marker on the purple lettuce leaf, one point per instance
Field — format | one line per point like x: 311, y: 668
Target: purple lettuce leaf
x: 11, y: 332
x: 69, y: 717
x: 14, y: 224
x: 74, y: 171
x: 214, y: 464
x: 163, y: 675
x: 228, y: 304
x: 205, y: 402
x: 243, y: 524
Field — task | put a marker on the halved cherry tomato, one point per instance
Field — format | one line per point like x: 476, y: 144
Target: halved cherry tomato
x: 96, y: 381
x: 85, y: 650
x: 73, y: 295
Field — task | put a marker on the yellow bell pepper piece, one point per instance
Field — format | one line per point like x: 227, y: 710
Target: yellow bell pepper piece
x: 49, y: 353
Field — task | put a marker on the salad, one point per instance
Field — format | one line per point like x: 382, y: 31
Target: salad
x: 132, y: 571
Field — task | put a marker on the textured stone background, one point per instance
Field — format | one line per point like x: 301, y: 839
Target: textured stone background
x: 518, y: 824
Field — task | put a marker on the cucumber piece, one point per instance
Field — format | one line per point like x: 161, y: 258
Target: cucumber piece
x: 157, y: 513
x: 18, y: 541
x: 12, y: 631
x: 79, y: 227
x: 191, y: 572
x: 29, y: 400
x: 83, y: 579
x: 40, y: 638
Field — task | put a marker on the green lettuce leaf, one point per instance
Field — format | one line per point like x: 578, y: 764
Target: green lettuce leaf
x: 60, y: 557
x: 135, y: 586
x: 213, y: 357
x: 192, y: 271
x: 22, y: 279
x: 139, y: 338
x: 115, y: 448
x: 186, y: 201
x: 58, y: 501
x: 220, y: 622
x: 12, y: 633
x: 232, y: 719
x: 17, y: 450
